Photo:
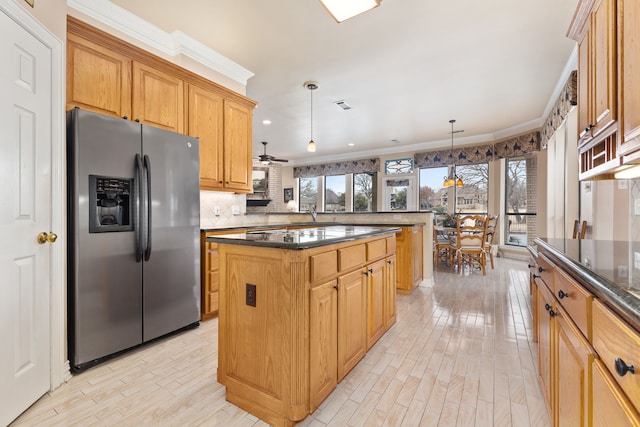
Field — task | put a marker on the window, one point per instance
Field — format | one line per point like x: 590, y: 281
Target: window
x: 432, y: 195
x: 334, y: 193
x: 308, y: 191
x: 364, y: 192
x: 472, y: 197
x: 520, y: 199
x: 398, y: 166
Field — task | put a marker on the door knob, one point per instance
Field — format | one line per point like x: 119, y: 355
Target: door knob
x: 47, y: 237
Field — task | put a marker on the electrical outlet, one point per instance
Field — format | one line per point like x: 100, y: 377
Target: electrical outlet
x: 236, y: 209
x: 250, y: 298
x: 216, y: 210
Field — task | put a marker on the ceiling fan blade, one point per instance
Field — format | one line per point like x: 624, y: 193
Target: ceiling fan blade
x: 279, y: 160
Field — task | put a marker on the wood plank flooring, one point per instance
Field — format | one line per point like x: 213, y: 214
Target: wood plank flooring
x: 460, y: 354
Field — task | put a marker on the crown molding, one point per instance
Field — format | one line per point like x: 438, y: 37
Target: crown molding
x: 172, y: 44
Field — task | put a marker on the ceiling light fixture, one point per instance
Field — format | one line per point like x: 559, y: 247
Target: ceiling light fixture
x: 453, y: 179
x: 311, y: 146
x: 341, y: 10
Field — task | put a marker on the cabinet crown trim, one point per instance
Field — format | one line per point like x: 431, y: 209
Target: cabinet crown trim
x: 172, y: 44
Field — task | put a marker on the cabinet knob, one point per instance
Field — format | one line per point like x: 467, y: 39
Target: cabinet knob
x: 540, y: 269
x: 137, y: 120
x: 562, y: 294
x: 389, y: 262
x: 336, y: 287
x: 371, y: 270
x: 552, y: 313
x: 530, y: 266
x: 547, y: 307
x: 622, y: 368
x: 366, y: 272
x: 535, y: 276
x: 125, y: 117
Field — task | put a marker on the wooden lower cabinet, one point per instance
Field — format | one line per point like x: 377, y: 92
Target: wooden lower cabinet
x: 574, y: 356
x: 352, y: 321
x: 409, y: 255
x: 390, y: 292
x: 375, y: 278
x: 579, y: 341
x: 611, y: 407
x: 323, y: 342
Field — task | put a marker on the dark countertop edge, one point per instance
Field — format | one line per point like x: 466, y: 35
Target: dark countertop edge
x: 340, y: 213
x: 300, y: 246
x: 315, y: 224
x: 624, y: 304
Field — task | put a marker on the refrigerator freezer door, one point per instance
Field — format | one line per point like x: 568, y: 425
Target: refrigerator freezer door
x: 172, y: 273
x: 105, y: 281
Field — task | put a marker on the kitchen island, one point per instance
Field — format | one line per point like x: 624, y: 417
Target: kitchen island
x: 298, y: 310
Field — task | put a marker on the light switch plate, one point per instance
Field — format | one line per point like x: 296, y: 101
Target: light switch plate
x: 236, y: 210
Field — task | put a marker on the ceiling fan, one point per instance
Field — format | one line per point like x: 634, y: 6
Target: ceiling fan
x: 267, y: 159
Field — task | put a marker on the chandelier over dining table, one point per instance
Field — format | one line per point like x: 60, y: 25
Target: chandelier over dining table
x: 453, y: 180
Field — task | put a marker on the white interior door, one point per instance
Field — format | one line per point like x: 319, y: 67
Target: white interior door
x: 25, y: 211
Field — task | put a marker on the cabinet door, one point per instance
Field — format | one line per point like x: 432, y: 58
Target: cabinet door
x: 158, y: 98
x: 545, y: 344
x: 584, y: 120
x: 603, y: 64
x: 610, y: 405
x: 375, y: 302
x: 416, y: 252
x: 574, y: 356
x: 98, y: 79
x: 323, y: 343
x: 629, y: 77
x: 390, y: 293
x: 352, y: 321
x: 205, y: 121
x: 237, y: 147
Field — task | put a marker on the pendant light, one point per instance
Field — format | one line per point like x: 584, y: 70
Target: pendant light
x: 311, y: 146
x: 453, y: 179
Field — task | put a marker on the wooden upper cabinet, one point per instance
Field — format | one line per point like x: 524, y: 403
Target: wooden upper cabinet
x: 205, y: 121
x: 158, y: 98
x: 629, y: 76
x: 603, y: 65
x: 237, y: 146
x: 113, y: 77
x: 98, y: 79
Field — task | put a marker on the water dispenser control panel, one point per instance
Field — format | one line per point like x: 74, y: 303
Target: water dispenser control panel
x: 110, y: 204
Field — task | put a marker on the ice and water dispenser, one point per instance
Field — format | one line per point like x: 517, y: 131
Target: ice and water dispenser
x: 110, y: 204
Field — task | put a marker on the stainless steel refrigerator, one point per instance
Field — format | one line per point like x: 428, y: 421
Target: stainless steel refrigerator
x: 133, y: 223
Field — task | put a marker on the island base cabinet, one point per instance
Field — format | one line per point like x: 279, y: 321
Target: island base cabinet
x: 352, y: 303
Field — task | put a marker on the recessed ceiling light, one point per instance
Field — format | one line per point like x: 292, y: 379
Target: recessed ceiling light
x: 266, y: 122
x: 351, y: 144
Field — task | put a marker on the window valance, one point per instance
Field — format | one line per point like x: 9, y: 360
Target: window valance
x: 511, y: 147
x: 337, y: 168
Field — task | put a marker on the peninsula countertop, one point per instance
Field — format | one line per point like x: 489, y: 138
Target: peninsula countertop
x: 304, y: 238
x: 312, y: 224
x: 609, y: 269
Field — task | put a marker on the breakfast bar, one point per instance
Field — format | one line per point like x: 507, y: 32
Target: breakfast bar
x: 298, y: 310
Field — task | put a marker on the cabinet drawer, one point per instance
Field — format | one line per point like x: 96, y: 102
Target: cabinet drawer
x: 544, y: 271
x: 323, y: 265
x: 575, y: 300
x: 376, y: 249
x: 350, y: 257
x: 614, y: 339
x: 391, y: 245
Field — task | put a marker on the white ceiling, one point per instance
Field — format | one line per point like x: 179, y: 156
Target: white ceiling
x: 406, y: 68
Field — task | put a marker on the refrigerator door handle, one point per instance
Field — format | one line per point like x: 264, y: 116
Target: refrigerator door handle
x: 147, y: 168
x: 138, y: 207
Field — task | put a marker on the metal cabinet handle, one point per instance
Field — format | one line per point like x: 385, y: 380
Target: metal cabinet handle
x: 622, y: 368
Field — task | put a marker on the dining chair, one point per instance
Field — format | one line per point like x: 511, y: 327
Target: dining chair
x: 492, y: 225
x: 579, y: 230
x: 468, y: 245
x: 440, y: 245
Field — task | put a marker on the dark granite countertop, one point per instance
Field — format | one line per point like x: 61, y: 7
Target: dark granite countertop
x: 304, y: 238
x: 312, y: 224
x: 609, y: 269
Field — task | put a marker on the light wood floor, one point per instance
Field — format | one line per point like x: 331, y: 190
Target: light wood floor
x: 460, y: 354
